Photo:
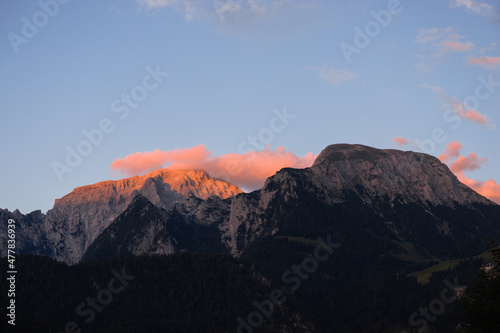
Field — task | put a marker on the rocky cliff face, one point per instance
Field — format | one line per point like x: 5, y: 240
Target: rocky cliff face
x: 139, y: 229
x: 30, y: 233
x: 79, y: 217
x: 386, y: 184
x: 391, y: 194
x: 144, y: 228
x: 404, y: 196
x: 385, y: 212
x: 392, y: 175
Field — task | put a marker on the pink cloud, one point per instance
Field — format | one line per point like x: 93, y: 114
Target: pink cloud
x: 469, y: 163
x: 401, y: 141
x: 191, y: 154
x: 139, y: 163
x: 457, y: 107
x: 471, y: 115
x: 487, y: 62
x: 452, y: 151
x: 457, y: 46
x: 489, y: 189
x: 249, y: 170
x: 476, y: 7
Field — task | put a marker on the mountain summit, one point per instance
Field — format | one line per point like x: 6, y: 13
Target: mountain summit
x: 392, y: 175
x: 79, y: 217
x: 408, y: 196
x: 387, y: 213
x: 390, y: 196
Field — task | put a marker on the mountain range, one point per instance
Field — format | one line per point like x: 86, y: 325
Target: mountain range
x: 389, y: 186
x: 76, y: 219
x: 389, y: 211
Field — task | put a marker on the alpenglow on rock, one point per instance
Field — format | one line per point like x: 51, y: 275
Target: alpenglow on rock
x: 80, y: 216
x: 389, y: 194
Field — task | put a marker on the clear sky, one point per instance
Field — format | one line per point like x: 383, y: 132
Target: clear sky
x: 298, y: 74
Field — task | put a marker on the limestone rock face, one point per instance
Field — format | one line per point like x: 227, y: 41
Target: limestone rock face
x: 392, y: 174
x: 405, y: 196
x: 79, y: 217
x: 30, y: 233
x: 345, y: 173
x: 145, y: 229
x: 140, y: 229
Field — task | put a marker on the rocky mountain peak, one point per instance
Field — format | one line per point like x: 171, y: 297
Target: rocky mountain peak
x: 195, y: 182
x: 183, y: 182
x: 85, y: 212
x: 344, y: 180
x: 391, y: 175
x: 343, y: 152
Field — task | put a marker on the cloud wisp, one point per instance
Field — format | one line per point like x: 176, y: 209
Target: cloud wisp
x: 401, y: 141
x: 486, y: 62
x: 457, y: 46
x: 438, y: 42
x: 233, y: 14
x: 452, y: 151
x: 333, y: 76
x: 474, y: 7
x: 454, y: 105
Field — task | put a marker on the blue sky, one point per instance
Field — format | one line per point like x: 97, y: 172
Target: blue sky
x: 230, y: 64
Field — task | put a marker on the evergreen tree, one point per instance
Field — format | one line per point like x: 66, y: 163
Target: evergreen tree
x: 482, y: 308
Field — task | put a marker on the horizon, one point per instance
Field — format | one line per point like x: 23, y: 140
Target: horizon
x: 123, y: 87
x: 226, y: 177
